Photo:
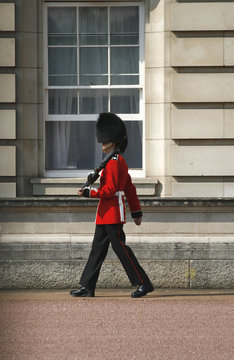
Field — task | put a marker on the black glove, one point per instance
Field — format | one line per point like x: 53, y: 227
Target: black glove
x: 86, y: 192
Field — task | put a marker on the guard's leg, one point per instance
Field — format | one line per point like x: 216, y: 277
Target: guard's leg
x: 134, y: 271
x: 97, y: 256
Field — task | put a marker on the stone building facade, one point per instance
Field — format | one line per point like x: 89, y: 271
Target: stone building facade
x: 185, y: 180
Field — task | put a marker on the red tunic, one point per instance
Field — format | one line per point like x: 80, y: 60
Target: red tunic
x: 115, y: 181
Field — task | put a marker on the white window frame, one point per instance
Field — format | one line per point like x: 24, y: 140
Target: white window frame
x: 141, y: 86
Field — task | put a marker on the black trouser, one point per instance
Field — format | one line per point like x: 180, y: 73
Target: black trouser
x: 104, y: 235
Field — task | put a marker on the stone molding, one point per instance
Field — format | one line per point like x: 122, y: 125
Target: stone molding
x: 149, y: 202
x: 68, y: 186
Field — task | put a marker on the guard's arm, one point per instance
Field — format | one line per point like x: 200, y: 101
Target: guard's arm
x: 133, y: 202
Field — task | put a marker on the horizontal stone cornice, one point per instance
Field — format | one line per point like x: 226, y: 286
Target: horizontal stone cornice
x: 146, y: 202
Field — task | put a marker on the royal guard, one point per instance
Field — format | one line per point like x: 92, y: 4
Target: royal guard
x: 115, y: 182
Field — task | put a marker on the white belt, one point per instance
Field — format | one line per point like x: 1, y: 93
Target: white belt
x: 121, y: 206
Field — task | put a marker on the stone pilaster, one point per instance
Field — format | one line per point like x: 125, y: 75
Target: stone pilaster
x: 7, y: 101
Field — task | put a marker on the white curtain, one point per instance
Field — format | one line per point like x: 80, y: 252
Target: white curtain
x: 72, y: 145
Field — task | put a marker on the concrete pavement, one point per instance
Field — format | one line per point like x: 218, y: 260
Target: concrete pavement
x: 167, y: 324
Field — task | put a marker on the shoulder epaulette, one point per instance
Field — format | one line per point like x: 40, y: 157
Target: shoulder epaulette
x: 115, y: 157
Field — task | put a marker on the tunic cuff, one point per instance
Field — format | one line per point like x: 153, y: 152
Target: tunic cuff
x: 136, y: 214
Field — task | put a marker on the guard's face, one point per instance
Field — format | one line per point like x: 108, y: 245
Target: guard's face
x: 108, y: 147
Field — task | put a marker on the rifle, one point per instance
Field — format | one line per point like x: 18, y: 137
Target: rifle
x: 93, y: 176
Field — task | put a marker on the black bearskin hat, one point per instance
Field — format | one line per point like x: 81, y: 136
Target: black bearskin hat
x: 110, y: 128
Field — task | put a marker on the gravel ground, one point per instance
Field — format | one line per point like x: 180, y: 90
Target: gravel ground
x: 50, y: 325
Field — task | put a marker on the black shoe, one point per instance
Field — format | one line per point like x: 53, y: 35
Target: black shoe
x: 142, y: 290
x: 82, y: 292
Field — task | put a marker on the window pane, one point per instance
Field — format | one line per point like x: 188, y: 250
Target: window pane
x: 93, y: 101
x: 124, y: 101
x: 62, y: 101
x: 93, y: 25
x: 62, y: 39
x: 72, y: 145
x: 93, y: 66
x: 62, y: 66
x: 124, y: 80
x: 93, y: 80
x: 62, y: 26
x: 125, y: 60
x: 124, y: 25
x: 62, y: 20
x: 133, y: 153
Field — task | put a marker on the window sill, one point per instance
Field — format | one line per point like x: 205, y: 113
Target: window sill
x: 68, y: 186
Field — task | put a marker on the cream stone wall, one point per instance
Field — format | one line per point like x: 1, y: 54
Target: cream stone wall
x: 189, y: 95
x: 210, y: 159
x: 7, y: 98
x: 7, y: 160
x: 203, y: 121
x: 195, y: 50
x: 7, y: 88
x: 7, y: 124
x: 200, y: 123
x: 7, y: 17
x: 216, y: 187
x: 7, y: 189
x: 203, y: 87
x: 201, y: 98
x: 202, y: 48
x: 228, y: 48
x: 7, y: 52
x: 197, y: 16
